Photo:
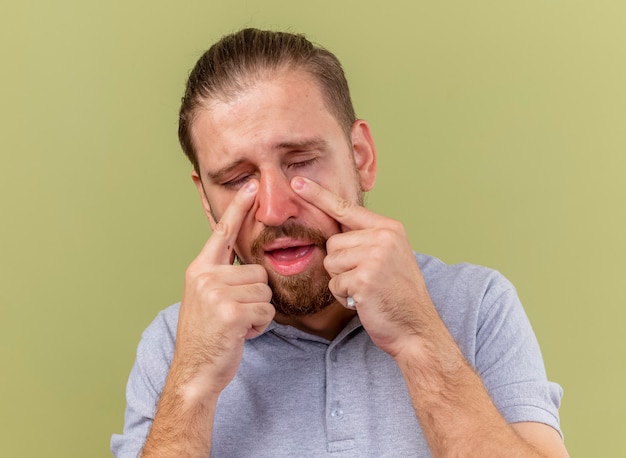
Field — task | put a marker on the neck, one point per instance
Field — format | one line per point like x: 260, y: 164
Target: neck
x: 327, y: 323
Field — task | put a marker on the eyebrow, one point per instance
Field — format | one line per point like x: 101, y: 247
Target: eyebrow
x: 297, y: 145
x: 303, y: 145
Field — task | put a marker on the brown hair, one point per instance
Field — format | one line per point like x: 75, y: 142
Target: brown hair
x: 238, y: 60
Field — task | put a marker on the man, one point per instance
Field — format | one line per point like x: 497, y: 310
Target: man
x: 308, y: 327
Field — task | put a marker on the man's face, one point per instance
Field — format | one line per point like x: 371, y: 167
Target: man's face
x: 276, y: 130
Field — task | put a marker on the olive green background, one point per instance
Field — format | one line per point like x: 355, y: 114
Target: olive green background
x: 501, y: 133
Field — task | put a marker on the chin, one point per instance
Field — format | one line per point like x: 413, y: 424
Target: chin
x: 301, y: 295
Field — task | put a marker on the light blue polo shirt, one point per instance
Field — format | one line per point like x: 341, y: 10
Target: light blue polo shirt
x: 297, y: 394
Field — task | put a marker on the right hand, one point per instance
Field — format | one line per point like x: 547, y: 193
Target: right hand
x: 223, y: 304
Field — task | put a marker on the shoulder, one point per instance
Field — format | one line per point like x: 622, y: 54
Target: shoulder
x: 464, y: 286
x: 156, y: 347
x: 471, y: 300
x: 163, y: 327
x: 437, y: 273
x: 146, y: 381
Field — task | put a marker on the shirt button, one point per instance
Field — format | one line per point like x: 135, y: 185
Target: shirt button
x: 337, y: 413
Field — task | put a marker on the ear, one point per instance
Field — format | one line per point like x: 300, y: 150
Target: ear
x: 364, y: 152
x: 203, y: 197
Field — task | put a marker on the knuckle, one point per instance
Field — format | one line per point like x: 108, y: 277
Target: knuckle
x: 190, y: 273
x: 333, y: 285
x: 359, y: 282
x: 265, y: 310
x: 332, y: 243
x: 328, y: 263
x: 363, y: 279
x: 194, y: 269
x: 205, y: 280
x: 258, y: 271
x: 342, y: 206
x: 396, y: 226
x: 221, y: 228
x: 388, y: 236
x: 258, y: 290
x: 264, y: 291
x: 229, y: 314
x: 216, y: 296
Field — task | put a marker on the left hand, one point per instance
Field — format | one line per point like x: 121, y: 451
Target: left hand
x: 371, y: 260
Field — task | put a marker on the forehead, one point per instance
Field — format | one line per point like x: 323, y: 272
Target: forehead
x: 286, y: 108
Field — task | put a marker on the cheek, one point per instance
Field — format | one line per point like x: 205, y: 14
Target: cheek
x: 242, y: 248
x: 317, y: 219
x: 248, y: 231
x: 218, y: 204
x: 342, y: 181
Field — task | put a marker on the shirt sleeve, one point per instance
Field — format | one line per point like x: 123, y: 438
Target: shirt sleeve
x: 145, y: 384
x: 509, y: 360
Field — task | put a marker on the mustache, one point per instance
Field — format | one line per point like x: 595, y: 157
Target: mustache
x: 294, y: 230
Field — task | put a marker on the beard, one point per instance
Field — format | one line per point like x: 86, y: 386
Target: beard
x: 302, y: 294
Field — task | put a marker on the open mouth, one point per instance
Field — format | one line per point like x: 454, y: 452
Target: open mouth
x: 289, y: 257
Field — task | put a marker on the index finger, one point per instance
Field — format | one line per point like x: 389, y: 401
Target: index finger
x: 220, y: 246
x: 348, y: 213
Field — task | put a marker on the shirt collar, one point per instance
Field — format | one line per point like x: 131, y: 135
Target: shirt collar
x: 291, y: 332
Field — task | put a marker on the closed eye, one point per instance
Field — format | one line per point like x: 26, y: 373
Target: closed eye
x: 240, y: 180
x: 302, y: 164
x: 237, y: 182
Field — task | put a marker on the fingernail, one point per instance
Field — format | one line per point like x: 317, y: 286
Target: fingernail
x: 251, y: 186
x: 297, y: 183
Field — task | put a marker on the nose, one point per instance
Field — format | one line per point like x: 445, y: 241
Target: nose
x: 276, y: 201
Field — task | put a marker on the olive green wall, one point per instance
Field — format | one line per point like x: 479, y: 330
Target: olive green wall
x: 501, y: 132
